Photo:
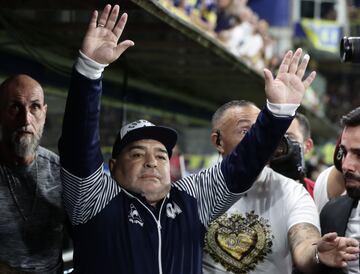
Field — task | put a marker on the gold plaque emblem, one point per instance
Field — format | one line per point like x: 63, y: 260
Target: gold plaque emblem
x: 238, y: 242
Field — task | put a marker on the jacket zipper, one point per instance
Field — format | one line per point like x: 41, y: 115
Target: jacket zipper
x: 158, y: 226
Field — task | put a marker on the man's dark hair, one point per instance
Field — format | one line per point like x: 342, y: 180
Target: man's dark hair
x: 352, y: 119
x: 220, y: 111
x: 304, y: 125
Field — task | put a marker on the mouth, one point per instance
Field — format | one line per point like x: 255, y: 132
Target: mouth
x: 150, y: 177
x: 23, y: 132
x: 351, y: 182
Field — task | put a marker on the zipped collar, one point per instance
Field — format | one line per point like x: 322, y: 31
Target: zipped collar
x: 141, y: 199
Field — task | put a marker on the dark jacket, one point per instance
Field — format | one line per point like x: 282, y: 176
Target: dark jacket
x: 334, y: 218
x: 115, y: 231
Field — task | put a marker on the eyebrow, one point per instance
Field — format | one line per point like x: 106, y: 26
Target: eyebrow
x: 355, y: 150
x: 245, y: 120
x: 159, y: 149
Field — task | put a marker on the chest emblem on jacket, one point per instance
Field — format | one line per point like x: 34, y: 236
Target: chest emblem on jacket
x: 172, y: 209
x: 239, y: 242
x: 134, y: 216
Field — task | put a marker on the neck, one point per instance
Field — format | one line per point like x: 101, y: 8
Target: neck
x: 8, y: 156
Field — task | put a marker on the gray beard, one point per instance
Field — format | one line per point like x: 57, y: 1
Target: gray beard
x: 27, y: 144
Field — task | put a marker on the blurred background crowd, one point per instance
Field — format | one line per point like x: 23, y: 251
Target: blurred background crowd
x: 216, y: 50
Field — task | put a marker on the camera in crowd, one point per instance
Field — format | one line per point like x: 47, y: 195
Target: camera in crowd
x: 288, y: 159
x: 350, y: 49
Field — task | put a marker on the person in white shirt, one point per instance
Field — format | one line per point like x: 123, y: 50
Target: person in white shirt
x: 328, y: 185
x: 275, y: 224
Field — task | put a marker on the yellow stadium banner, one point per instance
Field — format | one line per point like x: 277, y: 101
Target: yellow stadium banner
x: 323, y: 34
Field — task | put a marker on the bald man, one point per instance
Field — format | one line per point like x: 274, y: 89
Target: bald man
x: 31, y: 213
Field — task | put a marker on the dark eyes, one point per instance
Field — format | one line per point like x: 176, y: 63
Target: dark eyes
x: 139, y: 155
x: 161, y: 157
x: 136, y: 155
x: 16, y: 108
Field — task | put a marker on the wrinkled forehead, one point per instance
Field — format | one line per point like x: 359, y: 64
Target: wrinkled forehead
x: 351, y: 137
x: 22, y: 88
x: 241, y: 114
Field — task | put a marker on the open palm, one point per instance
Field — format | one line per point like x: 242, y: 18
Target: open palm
x: 336, y: 251
x: 101, y: 39
x: 288, y: 86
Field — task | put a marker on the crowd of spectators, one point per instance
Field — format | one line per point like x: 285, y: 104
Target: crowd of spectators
x: 234, y: 24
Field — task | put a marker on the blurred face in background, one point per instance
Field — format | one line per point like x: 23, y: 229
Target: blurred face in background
x: 295, y: 133
x: 350, y: 144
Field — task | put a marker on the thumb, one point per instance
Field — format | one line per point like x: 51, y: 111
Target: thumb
x: 329, y: 237
x: 268, y: 77
x: 124, y: 46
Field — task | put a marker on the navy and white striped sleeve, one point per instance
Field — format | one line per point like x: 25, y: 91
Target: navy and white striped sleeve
x: 86, y: 197
x: 87, y: 189
x: 210, y: 190
x: 217, y: 188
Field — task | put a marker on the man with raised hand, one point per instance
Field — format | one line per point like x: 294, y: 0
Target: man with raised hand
x: 136, y: 221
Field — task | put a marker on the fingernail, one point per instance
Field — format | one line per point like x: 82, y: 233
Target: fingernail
x: 307, y: 57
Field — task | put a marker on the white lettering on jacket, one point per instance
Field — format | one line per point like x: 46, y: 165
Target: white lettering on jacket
x: 134, y: 216
x: 172, y: 209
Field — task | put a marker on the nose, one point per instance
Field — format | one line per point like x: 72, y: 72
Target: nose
x: 25, y: 116
x: 150, y: 161
x: 348, y: 163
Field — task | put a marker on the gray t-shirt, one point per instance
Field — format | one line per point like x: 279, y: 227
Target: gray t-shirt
x: 31, y: 215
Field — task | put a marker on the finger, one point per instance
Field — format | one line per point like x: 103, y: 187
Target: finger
x: 295, y: 61
x: 352, y: 250
x: 104, y: 15
x: 124, y: 46
x: 113, y: 17
x: 350, y: 257
x: 118, y: 29
x: 284, y: 66
x: 268, y: 77
x: 302, y: 68
x: 307, y: 82
x: 92, y: 23
x: 350, y: 242
x: 332, y: 235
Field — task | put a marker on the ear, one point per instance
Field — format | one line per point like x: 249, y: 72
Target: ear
x: 309, y: 145
x: 45, y: 108
x: 112, y: 163
x: 217, y: 142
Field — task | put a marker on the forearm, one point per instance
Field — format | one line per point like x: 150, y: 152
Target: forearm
x: 301, y: 240
x: 79, y: 145
x: 243, y: 165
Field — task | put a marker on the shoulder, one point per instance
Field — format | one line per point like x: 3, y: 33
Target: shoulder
x: 322, y: 179
x: 45, y: 155
x: 336, y: 202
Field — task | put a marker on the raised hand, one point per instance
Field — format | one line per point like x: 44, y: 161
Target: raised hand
x: 101, y: 39
x: 335, y: 251
x: 288, y: 86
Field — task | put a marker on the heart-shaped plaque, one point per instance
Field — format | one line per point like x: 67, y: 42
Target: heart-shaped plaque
x: 238, y: 242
